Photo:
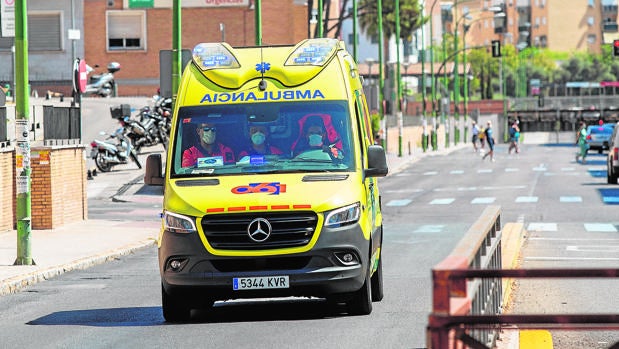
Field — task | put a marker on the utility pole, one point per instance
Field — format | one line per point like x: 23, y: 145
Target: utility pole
x: 398, y: 76
x: 319, y: 33
x: 381, y: 78
x: 22, y: 133
x: 177, y: 61
x: 258, y: 21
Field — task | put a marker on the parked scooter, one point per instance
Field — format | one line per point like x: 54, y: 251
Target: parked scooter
x: 107, y: 154
x: 147, y: 129
x: 102, y: 85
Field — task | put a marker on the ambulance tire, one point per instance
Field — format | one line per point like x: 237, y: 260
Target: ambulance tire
x: 361, y: 301
x: 377, y: 278
x: 174, y: 309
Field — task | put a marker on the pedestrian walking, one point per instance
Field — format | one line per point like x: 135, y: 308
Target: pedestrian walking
x: 514, y: 136
x: 490, y: 140
x: 475, y: 139
x: 581, y: 141
x: 482, y: 139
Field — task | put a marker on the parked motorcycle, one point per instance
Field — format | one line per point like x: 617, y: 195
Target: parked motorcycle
x: 102, y: 85
x: 147, y: 129
x: 108, y: 154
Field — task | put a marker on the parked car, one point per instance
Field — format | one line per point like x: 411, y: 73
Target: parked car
x: 598, y: 136
x: 612, y: 163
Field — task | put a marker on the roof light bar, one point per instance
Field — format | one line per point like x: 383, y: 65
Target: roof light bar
x: 313, y: 52
x: 214, y: 55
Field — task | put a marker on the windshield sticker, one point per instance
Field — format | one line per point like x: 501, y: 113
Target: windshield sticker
x: 264, y: 96
x: 210, y: 161
x: 273, y: 188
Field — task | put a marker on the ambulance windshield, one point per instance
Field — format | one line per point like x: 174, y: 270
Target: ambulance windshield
x: 262, y: 138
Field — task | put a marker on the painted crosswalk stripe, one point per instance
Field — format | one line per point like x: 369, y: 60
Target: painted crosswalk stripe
x: 601, y: 227
x: 570, y: 199
x: 402, y: 202
x: 430, y: 228
x: 542, y: 227
x: 526, y: 199
x: 487, y: 200
x: 512, y: 169
x: 456, y: 172
x: 441, y: 201
x: 430, y: 173
x: 484, y: 171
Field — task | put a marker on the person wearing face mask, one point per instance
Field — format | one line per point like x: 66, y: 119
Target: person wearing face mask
x: 208, y: 147
x: 315, y: 137
x: 259, y: 139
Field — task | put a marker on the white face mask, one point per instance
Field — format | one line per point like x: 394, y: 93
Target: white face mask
x: 315, y: 140
x: 208, y: 137
x: 258, y: 138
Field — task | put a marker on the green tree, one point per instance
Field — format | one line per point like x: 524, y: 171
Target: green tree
x: 410, y: 17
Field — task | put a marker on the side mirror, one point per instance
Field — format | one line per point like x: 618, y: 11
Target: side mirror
x: 377, y: 162
x: 153, y: 173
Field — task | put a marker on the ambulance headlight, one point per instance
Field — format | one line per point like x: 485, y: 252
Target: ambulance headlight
x: 177, y: 223
x: 343, y: 216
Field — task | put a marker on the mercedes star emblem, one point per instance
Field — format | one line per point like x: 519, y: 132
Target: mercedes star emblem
x: 259, y: 230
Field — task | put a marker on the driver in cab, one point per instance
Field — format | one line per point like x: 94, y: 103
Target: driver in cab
x: 315, y: 138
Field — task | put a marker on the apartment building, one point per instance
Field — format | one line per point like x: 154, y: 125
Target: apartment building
x: 567, y: 25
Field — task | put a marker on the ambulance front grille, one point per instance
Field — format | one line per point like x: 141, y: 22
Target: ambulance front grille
x: 230, y: 231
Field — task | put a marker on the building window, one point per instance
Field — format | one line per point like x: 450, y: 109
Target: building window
x: 126, y: 30
x: 591, y: 38
x: 44, y: 31
x: 590, y: 21
x: 591, y: 3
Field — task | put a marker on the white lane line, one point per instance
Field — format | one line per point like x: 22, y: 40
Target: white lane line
x: 570, y: 199
x: 402, y: 202
x: 542, y: 227
x: 572, y: 258
x: 512, y: 169
x: 540, y: 168
x: 522, y: 199
x: 484, y: 171
x: 442, y: 201
x: 456, y: 172
x: 601, y: 227
x: 593, y: 248
x: 487, y: 200
x: 430, y: 173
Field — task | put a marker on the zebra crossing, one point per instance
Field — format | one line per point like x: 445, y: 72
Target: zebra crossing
x: 607, y: 196
x: 540, y: 227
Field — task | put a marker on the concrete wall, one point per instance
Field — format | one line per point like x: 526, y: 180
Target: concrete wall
x: 58, y: 187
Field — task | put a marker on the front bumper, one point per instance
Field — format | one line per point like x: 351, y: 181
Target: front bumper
x: 318, y: 272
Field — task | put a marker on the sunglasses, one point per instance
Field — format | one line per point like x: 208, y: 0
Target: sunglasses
x: 207, y: 129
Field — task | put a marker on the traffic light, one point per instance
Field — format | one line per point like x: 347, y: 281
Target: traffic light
x: 496, y: 48
x: 615, y: 48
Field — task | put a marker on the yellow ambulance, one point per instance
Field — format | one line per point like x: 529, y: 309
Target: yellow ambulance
x: 270, y: 181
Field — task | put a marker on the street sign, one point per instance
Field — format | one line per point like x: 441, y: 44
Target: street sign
x: 496, y: 48
x: 7, y: 18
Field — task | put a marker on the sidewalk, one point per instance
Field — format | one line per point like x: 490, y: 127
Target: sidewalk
x: 83, y: 244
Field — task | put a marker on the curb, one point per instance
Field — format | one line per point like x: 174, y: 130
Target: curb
x: 14, y: 284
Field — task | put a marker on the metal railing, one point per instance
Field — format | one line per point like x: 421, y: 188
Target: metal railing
x: 467, y: 297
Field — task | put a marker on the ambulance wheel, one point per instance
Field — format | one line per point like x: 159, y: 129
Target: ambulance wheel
x: 174, y: 309
x: 361, y: 301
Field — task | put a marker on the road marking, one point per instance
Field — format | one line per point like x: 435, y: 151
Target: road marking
x: 592, y: 248
x: 570, y: 199
x: 402, y: 202
x: 442, y: 201
x: 522, y: 199
x: 430, y: 173
x: 484, y: 171
x: 430, y: 228
x: 571, y: 259
x: 487, y: 200
x: 567, y: 169
x: 512, y: 169
x: 456, y: 172
x: 540, y: 168
x: 542, y: 227
x: 600, y: 227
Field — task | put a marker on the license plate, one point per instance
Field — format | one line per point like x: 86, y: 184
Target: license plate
x: 260, y: 283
